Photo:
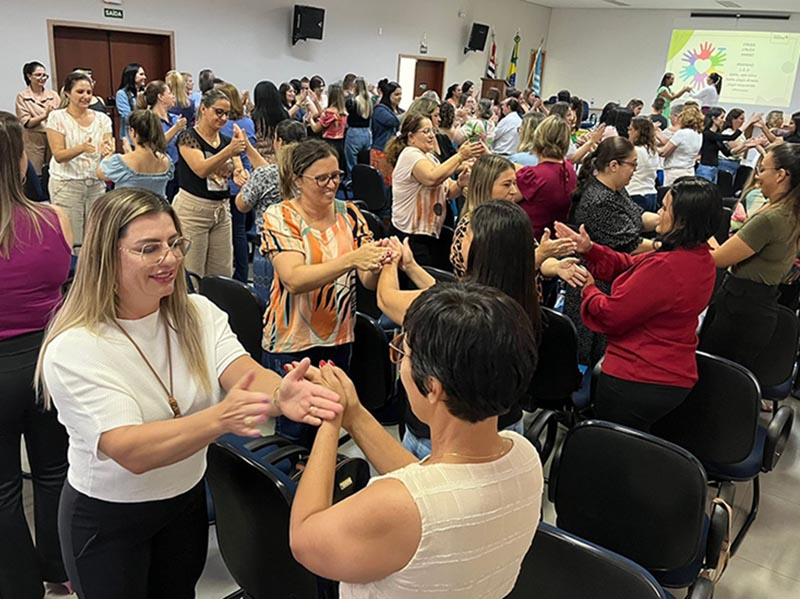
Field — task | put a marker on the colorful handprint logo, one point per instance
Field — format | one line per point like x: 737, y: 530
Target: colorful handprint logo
x: 701, y: 63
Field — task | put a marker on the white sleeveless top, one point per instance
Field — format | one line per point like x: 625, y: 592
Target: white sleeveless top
x: 478, y: 521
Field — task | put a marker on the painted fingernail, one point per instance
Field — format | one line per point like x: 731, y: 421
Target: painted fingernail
x: 321, y: 363
x: 286, y: 368
x: 331, y: 363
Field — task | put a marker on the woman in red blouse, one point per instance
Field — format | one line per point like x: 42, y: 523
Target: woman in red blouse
x: 333, y: 122
x: 650, y: 317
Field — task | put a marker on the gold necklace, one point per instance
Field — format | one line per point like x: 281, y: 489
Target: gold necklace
x: 507, y: 442
x: 173, y: 404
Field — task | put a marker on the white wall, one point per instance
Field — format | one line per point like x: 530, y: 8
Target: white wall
x: 245, y: 41
x: 616, y: 55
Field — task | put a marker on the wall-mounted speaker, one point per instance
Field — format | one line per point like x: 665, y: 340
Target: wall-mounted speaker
x: 307, y: 23
x: 477, y: 38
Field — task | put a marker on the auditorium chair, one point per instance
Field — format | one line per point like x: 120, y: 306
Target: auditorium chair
x: 368, y: 187
x: 241, y: 304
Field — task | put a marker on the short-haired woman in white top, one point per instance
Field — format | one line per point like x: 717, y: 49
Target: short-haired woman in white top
x: 79, y: 138
x: 681, y: 149
x: 458, y: 523
x: 138, y: 370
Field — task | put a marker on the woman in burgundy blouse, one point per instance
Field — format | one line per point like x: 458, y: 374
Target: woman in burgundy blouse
x: 650, y: 316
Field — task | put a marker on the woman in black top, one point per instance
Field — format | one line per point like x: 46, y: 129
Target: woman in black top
x: 358, y: 135
x: 207, y: 160
x: 714, y: 142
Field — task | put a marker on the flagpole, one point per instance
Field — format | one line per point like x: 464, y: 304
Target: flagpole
x: 532, y: 72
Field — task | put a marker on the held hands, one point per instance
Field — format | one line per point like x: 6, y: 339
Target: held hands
x: 337, y: 381
x: 240, y: 176
x: 107, y: 147
x: 307, y: 402
x: 471, y: 150
x: 555, y: 248
x: 583, y: 242
x: 571, y: 272
x: 371, y: 256
x: 243, y: 410
x: 402, y: 256
x: 181, y: 123
x: 238, y: 143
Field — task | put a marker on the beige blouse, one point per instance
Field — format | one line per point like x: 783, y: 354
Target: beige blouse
x: 29, y: 107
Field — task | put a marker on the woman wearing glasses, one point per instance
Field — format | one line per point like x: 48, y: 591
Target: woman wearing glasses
x: 34, y: 104
x: 421, y: 185
x: 743, y: 316
x: 144, y: 377
x: 318, y: 245
x: 207, y: 160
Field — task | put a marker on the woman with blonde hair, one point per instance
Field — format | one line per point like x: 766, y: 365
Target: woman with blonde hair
x: 138, y: 370
x: 183, y: 105
x: 358, y: 137
x: 35, y: 253
x: 526, y: 155
x: 680, y: 151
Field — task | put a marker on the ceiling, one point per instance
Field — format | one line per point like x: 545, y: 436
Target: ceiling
x: 704, y: 5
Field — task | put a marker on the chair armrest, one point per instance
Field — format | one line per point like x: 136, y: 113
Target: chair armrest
x: 293, y: 453
x: 702, y: 588
x: 778, y: 432
x: 262, y: 442
x: 717, y: 531
x: 545, y: 421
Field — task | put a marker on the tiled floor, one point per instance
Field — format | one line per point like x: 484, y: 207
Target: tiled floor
x: 766, y: 567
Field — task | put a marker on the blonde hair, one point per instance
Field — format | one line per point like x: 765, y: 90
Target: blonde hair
x: 484, y: 173
x: 551, y: 139
x: 91, y: 302
x: 691, y: 118
x: 362, y: 99
x: 232, y: 93
x: 530, y: 122
x: 177, y: 84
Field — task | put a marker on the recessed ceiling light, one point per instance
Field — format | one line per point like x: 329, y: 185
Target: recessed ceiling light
x: 728, y: 4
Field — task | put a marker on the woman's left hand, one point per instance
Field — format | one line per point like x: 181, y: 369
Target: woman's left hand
x: 306, y: 402
x: 555, y: 248
x: 571, y: 272
x: 240, y: 176
x: 589, y: 279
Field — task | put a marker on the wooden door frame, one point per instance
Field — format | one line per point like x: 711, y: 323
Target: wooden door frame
x: 53, y: 23
x: 425, y: 57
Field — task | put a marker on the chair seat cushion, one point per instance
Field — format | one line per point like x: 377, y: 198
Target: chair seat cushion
x: 685, y: 576
x: 747, y: 469
x: 778, y: 392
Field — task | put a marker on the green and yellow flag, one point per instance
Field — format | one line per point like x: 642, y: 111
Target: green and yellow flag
x: 512, y: 66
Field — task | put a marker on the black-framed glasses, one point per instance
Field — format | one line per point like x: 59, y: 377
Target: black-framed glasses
x: 221, y: 113
x: 396, y: 351
x: 324, y: 180
x: 153, y: 254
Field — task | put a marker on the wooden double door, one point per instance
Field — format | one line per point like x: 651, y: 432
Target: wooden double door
x: 106, y: 52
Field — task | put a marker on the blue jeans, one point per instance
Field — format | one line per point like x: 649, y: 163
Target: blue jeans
x: 299, y: 433
x: 707, y: 172
x: 241, y: 250
x: 729, y: 166
x: 263, y: 273
x: 647, y: 201
x: 421, y: 448
x: 355, y: 140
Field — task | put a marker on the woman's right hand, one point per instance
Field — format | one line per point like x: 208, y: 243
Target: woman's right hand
x: 337, y: 381
x: 238, y: 142
x: 88, y: 147
x: 583, y: 242
x: 368, y: 257
x: 471, y: 150
x: 243, y: 410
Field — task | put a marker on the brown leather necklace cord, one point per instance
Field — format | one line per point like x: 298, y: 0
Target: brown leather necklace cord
x: 173, y: 404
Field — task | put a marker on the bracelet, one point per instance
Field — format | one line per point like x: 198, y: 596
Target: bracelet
x: 276, y: 400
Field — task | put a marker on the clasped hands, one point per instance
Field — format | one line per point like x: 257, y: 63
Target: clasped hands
x: 570, y: 269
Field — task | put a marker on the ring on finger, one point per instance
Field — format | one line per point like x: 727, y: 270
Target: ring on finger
x: 311, y: 410
x: 248, y: 420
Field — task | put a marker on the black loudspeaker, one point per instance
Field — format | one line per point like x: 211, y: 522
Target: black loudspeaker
x: 307, y: 23
x: 477, y: 38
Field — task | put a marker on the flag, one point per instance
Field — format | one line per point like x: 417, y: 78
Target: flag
x: 512, y: 66
x: 491, y: 68
x: 537, y: 72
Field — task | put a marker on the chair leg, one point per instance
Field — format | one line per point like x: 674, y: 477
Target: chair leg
x: 751, y: 517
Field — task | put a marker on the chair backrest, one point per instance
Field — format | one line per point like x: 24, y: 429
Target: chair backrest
x: 661, y: 192
x: 718, y: 421
x: 441, y: 276
x: 252, y: 503
x: 244, y: 310
x: 632, y: 493
x: 775, y: 365
x: 557, y: 375
x: 742, y: 176
x: 375, y: 225
x: 368, y: 186
x: 725, y: 183
x: 730, y: 203
x: 724, y: 230
x: 440, y: 251
x: 370, y: 367
x: 561, y: 565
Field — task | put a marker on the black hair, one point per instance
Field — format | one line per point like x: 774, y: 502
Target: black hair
x: 128, y: 79
x: 576, y: 104
x: 315, y: 82
x: 616, y: 148
x: 696, y: 213
x: 513, y: 93
x: 622, y: 120
x: 296, y: 85
x: 28, y: 68
x: 659, y: 103
x: 501, y: 229
x: 476, y: 342
x: 466, y: 86
x: 282, y: 89
x: 269, y: 109
x: 608, y: 115
x: 387, y: 89
x: 716, y: 81
x: 447, y: 115
x: 451, y: 91
x: 713, y: 113
x: 563, y: 96
x: 665, y: 78
x: 290, y: 131
x: 149, y: 132
x: 733, y: 114
x: 513, y: 105
x: 205, y: 80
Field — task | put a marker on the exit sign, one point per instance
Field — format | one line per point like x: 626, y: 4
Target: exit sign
x: 112, y: 13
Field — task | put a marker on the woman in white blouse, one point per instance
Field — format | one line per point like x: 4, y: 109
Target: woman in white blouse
x: 458, y: 523
x: 139, y: 376
x: 709, y: 95
x: 681, y: 149
x: 79, y: 138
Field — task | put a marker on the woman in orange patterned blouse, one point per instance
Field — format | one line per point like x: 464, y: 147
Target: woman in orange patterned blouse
x: 318, y: 245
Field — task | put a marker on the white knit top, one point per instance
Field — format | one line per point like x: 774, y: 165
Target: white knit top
x: 478, y: 521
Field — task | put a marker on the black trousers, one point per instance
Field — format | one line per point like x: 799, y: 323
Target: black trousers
x: 23, y: 566
x: 741, y: 321
x: 146, y: 550
x: 637, y: 405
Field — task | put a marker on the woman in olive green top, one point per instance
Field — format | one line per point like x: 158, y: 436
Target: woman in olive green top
x: 665, y: 91
x: 744, y: 313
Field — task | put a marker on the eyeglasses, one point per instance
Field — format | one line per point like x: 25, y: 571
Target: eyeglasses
x: 635, y: 165
x: 40, y: 76
x: 428, y: 131
x: 396, y: 352
x: 221, y: 113
x: 324, y: 180
x: 153, y: 254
